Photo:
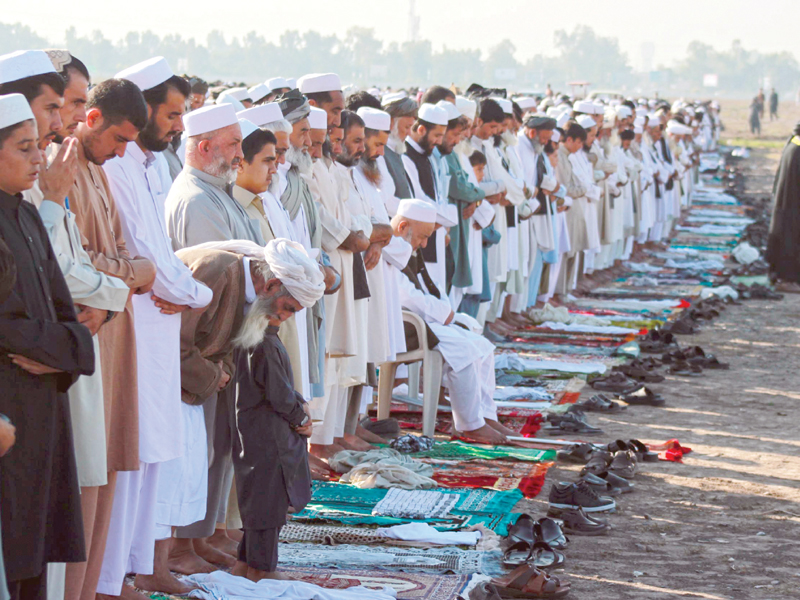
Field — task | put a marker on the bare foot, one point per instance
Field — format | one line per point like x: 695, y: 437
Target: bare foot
x: 368, y: 436
x: 210, y: 554
x: 324, y: 452
x: 486, y: 435
x: 220, y: 541
x: 164, y: 583
x: 240, y: 569
x: 497, y: 426
x: 256, y: 575
x: 184, y: 560
x: 319, y: 468
x: 235, y: 534
x: 352, y: 442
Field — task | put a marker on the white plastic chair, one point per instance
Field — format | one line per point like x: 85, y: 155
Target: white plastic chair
x: 432, y: 376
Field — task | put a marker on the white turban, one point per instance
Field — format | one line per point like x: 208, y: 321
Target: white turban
x: 302, y: 276
x: 287, y: 260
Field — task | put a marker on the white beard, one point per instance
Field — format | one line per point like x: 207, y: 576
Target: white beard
x: 301, y: 160
x: 396, y: 144
x: 465, y: 148
x: 509, y: 139
x: 257, y: 319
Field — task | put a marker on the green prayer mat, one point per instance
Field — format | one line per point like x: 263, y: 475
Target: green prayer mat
x: 460, y: 450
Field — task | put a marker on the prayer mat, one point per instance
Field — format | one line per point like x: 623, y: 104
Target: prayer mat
x: 495, y: 474
x: 356, y: 516
x: 441, y: 560
x: 461, y: 451
x: 522, y: 421
x: 409, y: 586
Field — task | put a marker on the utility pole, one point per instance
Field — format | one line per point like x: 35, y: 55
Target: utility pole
x: 413, y: 23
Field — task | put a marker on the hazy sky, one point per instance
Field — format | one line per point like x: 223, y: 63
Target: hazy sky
x: 766, y: 25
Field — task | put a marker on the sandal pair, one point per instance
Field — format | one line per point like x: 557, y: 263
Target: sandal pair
x: 527, y: 581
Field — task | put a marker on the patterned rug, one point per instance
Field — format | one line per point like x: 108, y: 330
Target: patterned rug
x: 499, y: 475
x: 440, y: 561
x: 461, y: 451
x: 409, y: 586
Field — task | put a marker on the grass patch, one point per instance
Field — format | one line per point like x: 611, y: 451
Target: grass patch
x: 755, y: 143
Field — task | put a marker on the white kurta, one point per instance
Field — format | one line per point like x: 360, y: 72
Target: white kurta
x: 140, y: 182
x: 584, y: 171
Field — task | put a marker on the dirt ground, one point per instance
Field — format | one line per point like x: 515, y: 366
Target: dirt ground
x: 725, y: 524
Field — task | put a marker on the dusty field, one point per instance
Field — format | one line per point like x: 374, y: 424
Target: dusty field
x: 725, y: 524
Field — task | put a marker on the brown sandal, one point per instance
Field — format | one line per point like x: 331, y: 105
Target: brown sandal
x: 526, y: 581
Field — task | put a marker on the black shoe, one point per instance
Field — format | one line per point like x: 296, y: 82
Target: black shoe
x: 579, y: 495
x: 577, y: 522
x: 620, y: 483
x: 600, y: 485
x: 624, y: 464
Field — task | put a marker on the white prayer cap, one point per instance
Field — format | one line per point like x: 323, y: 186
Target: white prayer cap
x: 526, y: 103
x: 374, y: 92
x: 556, y: 137
x: 675, y: 128
x: 148, y: 73
x: 546, y: 104
x: 450, y: 108
x: 417, y: 210
x: 319, y: 82
x: 300, y: 275
x: 563, y: 119
x: 549, y: 183
x: 276, y: 83
x: 586, y: 121
x: 447, y: 215
x: 209, y: 118
x: 263, y: 114
x: 553, y: 111
x: 639, y: 121
x: 652, y: 103
x: 248, y: 127
x: 240, y: 93
x: 584, y: 106
x: 467, y: 107
x: 258, y: 91
x: 654, y: 121
x: 506, y: 105
x: 14, y: 108
x: 291, y: 83
x: 623, y: 112
x: 24, y: 63
x: 638, y: 130
x: 318, y: 118
x: 387, y: 99
x: 228, y: 99
x: 599, y: 108
x: 430, y: 113
x: 375, y: 119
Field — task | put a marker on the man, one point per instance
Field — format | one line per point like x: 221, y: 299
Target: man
x: 784, y: 230
x: 773, y: 105
x: 199, y: 210
x: 44, y: 351
x: 403, y: 111
x: 31, y: 73
x: 168, y: 429
x: 324, y: 90
x: 342, y: 244
x: 116, y: 112
x: 427, y: 133
x: 97, y: 297
x: 469, y: 357
x: 272, y: 421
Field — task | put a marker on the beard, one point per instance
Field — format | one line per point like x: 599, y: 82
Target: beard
x: 425, y: 144
x: 257, y: 319
x: 221, y: 167
x: 149, y: 136
x: 464, y: 147
x: 395, y: 143
x: 371, y: 170
x: 347, y: 159
x: 300, y: 160
x: 509, y: 139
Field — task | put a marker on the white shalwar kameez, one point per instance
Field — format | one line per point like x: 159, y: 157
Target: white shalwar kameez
x: 172, y: 437
x: 468, y: 370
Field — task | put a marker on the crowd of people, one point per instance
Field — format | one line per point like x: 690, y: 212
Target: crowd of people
x: 198, y: 288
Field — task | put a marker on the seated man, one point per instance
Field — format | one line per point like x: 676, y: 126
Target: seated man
x: 468, y: 371
x: 270, y: 455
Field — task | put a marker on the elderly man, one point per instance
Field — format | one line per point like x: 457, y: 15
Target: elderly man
x: 198, y: 210
x: 469, y: 357
x: 168, y: 429
x: 45, y: 350
x: 272, y: 421
x: 403, y: 111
